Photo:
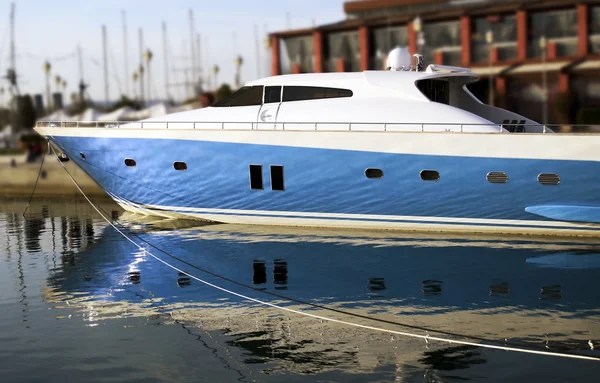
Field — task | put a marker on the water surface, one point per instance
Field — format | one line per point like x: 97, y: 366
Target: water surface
x: 79, y: 302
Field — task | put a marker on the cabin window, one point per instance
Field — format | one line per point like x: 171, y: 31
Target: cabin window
x: 272, y: 94
x: 301, y: 93
x: 430, y: 175
x: 277, y: 178
x: 82, y: 155
x: 246, y: 96
x: 256, y: 179
x: 130, y: 163
x: 549, y: 179
x: 497, y: 177
x: 180, y: 166
x: 374, y: 173
x: 435, y: 90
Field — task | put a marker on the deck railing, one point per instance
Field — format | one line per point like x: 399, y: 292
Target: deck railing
x: 319, y: 126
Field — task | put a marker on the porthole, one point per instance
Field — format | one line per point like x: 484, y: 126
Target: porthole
x: 180, y: 166
x: 549, y: 179
x: 82, y: 155
x: 497, y: 177
x: 374, y: 173
x: 130, y: 163
x: 430, y: 175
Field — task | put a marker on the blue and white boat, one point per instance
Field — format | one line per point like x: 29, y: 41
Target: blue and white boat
x: 405, y: 149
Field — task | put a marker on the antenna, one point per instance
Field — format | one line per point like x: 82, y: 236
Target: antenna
x: 166, y: 54
x: 141, y: 68
x: 82, y: 85
x: 193, y: 49
x: 257, y: 43
x: 199, y: 62
x: 12, y: 72
x: 125, y: 52
x: 105, y: 63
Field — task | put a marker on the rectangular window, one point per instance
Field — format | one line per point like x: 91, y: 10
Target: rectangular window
x: 302, y: 93
x: 272, y: 94
x: 256, y: 180
x: 277, y: 178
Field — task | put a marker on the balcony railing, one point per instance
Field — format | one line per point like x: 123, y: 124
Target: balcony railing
x: 511, y: 126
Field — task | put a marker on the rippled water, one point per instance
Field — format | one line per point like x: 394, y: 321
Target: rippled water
x: 79, y: 302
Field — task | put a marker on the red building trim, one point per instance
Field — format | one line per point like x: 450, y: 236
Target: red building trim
x: 318, y: 49
x: 522, y: 30
x: 438, y: 57
x: 583, y: 28
x: 275, y: 56
x: 563, y: 83
x: 340, y: 65
x: 364, y: 46
x: 412, y: 39
x: 551, y: 51
x: 296, y: 68
x: 465, y: 40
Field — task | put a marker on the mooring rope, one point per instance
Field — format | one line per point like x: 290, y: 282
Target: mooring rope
x: 426, y: 338
x: 45, y: 153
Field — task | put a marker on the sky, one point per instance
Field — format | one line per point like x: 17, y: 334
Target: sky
x: 51, y: 30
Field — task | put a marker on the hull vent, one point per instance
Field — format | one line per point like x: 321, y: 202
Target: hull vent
x: 497, y: 177
x: 549, y: 179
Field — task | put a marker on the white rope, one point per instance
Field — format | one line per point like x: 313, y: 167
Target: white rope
x: 426, y: 338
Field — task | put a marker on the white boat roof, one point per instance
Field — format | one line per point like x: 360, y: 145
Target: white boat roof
x: 370, y: 76
x: 371, y: 83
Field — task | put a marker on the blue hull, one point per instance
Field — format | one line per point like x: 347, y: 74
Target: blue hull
x: 330, y: 185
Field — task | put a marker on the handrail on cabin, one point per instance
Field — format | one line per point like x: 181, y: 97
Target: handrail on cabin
x: 351, y: 126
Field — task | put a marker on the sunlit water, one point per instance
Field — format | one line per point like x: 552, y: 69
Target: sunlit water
x: 78, y: 302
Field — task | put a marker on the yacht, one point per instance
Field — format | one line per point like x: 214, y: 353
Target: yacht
x: 408, y: 148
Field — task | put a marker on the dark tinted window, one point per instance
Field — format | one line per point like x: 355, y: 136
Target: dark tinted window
x: 246, y: 96
x: 435, y: 90
x: 272, y: 94
x: 277, y: 178
x: 256, y: 180
x: 300, y: 93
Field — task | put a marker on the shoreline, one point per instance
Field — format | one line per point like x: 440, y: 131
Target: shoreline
x: 19, y: 181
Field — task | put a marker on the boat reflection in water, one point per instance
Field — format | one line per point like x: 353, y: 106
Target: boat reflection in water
x: 536, y: 292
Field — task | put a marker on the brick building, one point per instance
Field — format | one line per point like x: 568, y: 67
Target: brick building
x: 501, y: 39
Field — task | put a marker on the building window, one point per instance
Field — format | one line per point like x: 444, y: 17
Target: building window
x: 297, y: 50
x: 256, y: 179
x: 559, y: 27
x: 343, y: 46
x: 246, y: 96
x: 595, y: 29
x: 497, y: 177
x: 277, y: 178
x: 130, y: 163
x: 374, y: 173
x: 549, y: 179
x: 444, y: 37
x: 430, y: 175
x: 302, y: 93
x: 272, y: 94
x: 504, y: 31
x: 180, y: 166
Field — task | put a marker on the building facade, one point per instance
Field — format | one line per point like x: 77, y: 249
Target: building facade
x: 514, y: 46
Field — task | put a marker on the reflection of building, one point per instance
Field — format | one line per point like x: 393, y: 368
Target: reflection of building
x: 454, y: 33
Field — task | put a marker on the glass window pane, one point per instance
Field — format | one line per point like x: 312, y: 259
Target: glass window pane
x: 246, y: 96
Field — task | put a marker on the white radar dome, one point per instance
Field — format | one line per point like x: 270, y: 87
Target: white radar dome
x: 399, y: 59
